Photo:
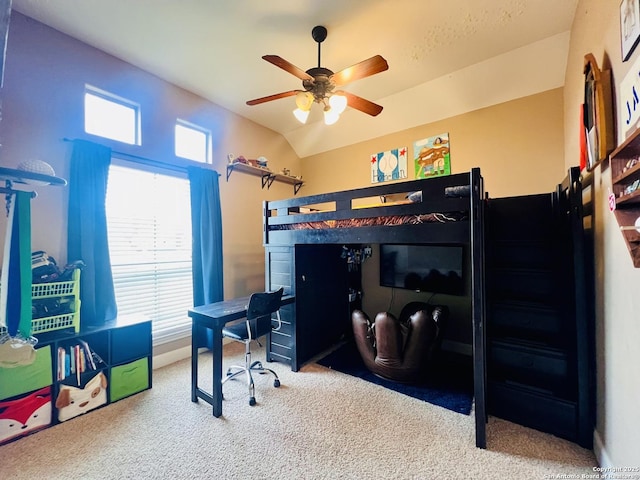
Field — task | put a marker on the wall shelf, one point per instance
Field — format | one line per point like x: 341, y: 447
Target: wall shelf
x: 267, y: 176
x: 623, y: 177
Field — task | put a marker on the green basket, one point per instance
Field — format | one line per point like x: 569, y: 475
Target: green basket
x: 57, y: 322
x: 57, y: 289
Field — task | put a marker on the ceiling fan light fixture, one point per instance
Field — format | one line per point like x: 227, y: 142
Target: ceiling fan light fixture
x: 301, y: 115
x: 331, y: 116
x: 304, y: 100
x: 338, y: 103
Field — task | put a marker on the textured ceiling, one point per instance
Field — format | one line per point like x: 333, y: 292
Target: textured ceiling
x: 446, y: 57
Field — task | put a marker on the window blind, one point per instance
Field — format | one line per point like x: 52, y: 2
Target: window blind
x: 149, y: 228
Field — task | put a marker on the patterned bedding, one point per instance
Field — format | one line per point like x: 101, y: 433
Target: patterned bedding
x: 383, y: 220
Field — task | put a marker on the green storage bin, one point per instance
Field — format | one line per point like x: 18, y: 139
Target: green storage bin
x: 129, y: 378
x: 26, y: 378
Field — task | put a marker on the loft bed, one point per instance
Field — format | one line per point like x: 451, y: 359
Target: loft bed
x: 435, y: 210
x: 438, y: 210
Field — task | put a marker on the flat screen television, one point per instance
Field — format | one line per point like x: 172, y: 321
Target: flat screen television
x: 423, y: 268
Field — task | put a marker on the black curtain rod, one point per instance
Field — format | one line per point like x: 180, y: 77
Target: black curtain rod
x: 148, y: 161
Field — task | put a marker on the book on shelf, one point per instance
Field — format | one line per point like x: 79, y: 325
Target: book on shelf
x: 76, y: 352
x: 77, y: 359
x: 72, y: 360
x: 61, y: 372
x: 88, y: 355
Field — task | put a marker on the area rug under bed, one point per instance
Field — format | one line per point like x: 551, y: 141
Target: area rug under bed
x: 450, y: 385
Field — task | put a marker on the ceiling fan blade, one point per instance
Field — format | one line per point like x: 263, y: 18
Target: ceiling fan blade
x: 277, y: 96
x: 361, y: 104
x: 289, y: 67
x: 360, y: 70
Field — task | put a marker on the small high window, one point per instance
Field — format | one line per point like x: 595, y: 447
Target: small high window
x: 192, y: 142
x: 109, y: 116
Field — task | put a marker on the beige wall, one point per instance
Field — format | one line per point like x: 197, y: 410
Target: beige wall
x: 596, y: 30
x: 521, y: 139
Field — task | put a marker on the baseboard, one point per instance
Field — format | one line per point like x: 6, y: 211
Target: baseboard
x: 176, y: 355
x: 600, y: 451
x: 165, y: 359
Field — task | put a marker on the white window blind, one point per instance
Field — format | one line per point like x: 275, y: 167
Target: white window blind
x: 149, y: 227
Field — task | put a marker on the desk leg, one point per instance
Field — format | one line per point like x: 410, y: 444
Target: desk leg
x: 194, y: 364
x: 217, y: 371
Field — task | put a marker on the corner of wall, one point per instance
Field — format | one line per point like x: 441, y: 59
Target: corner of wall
x: 600, y: 451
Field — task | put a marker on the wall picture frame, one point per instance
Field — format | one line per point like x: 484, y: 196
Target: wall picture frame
x: 432, y: 156
x: 389, y: 165
x: 629, y: 27
x: 597, y: 115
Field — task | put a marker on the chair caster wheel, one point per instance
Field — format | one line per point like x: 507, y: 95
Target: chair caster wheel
x: 276, y: 383
x: 252, y: 401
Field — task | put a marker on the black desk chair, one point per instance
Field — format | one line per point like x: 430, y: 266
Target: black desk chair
x: 257, y: 323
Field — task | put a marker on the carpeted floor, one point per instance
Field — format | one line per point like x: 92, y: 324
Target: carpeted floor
x: 449, y: 384
x: 320, y: 424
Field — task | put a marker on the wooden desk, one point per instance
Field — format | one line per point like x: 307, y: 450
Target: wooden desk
x: 214, y: 316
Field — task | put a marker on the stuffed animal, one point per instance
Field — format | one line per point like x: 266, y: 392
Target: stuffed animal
x: 25, y: 415
x: 73, y: 401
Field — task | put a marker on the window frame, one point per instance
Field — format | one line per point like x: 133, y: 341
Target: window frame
x: 182, y: 328
x: 196, y: 128
x: 119, y: 101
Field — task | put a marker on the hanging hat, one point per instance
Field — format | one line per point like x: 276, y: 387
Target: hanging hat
x: 34, y: 172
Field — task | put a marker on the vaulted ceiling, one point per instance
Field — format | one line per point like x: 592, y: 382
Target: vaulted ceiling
x: 446, y: 57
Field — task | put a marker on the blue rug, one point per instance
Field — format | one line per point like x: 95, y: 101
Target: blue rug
x: 450, y: 385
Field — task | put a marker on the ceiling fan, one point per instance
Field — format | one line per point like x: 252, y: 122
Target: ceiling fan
x: 319, y: 85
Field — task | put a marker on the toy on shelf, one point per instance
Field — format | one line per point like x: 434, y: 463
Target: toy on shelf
x: 259, y: 167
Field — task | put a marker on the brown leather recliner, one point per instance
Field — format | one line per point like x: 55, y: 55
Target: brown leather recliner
x: 400, y: 349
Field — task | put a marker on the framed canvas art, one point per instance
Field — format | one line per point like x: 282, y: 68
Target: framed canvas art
x: 597, y: 113
x: 629, y: 27
x: 389, y: 165
x: 432, y: 156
